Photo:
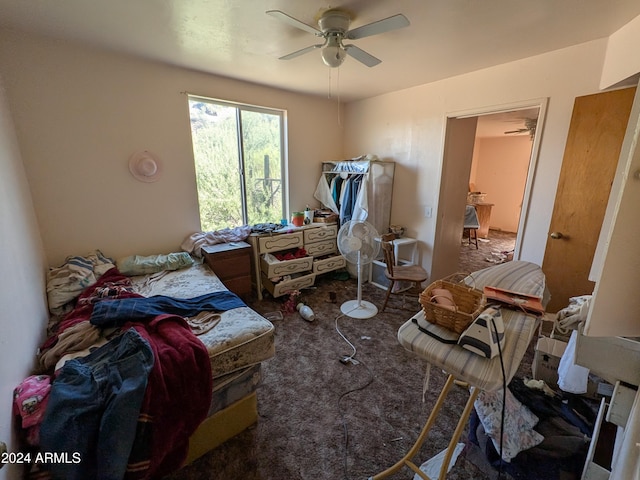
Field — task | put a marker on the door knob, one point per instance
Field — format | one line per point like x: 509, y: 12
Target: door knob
x: 556, y: 235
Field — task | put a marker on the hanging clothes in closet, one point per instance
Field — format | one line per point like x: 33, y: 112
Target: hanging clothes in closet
x: 353, y: 206
x: 358, y: 189
x: 343, y: 189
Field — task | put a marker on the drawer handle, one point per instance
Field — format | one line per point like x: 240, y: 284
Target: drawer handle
x: 279, y: 243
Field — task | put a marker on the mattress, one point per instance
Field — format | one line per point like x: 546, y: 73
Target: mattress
x: 233, y: 387
x: 241, y: 339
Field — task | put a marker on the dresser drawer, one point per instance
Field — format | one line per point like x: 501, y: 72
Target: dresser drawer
x: 285, y: 267
x: 231, y: 262
x: 328, y: 264
x: 321, y: 248
x: 284, y: 287
x: 229, y: 266
x: 274, y: 243
x: 320, y: 233
x: 241, y: 286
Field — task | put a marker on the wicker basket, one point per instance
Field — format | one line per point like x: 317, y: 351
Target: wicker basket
x: 469, y: 304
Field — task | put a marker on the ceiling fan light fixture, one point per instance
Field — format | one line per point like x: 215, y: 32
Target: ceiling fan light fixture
x: 333, y: 54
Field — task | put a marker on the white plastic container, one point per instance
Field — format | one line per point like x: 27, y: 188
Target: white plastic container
x: 306, y: 312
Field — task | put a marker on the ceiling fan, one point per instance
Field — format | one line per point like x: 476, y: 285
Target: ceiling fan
x: 334, y: 28
x: 529, y: 126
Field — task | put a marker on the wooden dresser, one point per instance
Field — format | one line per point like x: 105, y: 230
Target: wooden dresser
x: 281, y: 277
x: 231, y: 262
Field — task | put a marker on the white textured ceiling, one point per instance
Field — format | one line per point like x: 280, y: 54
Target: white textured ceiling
x: 235, y: 38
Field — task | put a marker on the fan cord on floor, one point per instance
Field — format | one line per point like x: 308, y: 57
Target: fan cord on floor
x: 350, y: 357
x: 345, y: 428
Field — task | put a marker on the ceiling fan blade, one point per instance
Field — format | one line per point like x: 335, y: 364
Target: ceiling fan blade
x: 302, y: 51
x: 520, y: 130
x: 362, y: 56
x: 386, y: 24
x: 294, y: 22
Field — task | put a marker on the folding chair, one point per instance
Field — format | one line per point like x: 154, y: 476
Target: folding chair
x: 471, y: 224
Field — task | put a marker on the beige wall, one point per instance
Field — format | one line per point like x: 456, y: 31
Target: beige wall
x: 81, y: 113
x: 408, y: 127
x: 23, y: 311
x: 499, y: 169
x: 622, y: 59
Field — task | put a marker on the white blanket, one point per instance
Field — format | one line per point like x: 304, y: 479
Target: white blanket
x: 194, y: 242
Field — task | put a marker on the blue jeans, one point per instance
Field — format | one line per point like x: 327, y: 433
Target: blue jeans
x: 93, y: 409
x: 117, y: 312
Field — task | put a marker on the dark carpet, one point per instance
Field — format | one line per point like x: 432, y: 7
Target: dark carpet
x: 322, y: 419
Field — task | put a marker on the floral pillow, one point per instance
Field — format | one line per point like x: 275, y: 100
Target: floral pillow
x: 519, y: 421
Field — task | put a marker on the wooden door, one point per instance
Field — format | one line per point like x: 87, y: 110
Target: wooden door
x: 456, y: 169
x: 591, y: 154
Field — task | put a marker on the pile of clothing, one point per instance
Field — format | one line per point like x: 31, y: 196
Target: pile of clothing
x: 290, y: 255
x: 122, y: 391
x: 564, y: 428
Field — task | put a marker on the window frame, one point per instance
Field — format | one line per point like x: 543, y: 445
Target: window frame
x: 284, y: 166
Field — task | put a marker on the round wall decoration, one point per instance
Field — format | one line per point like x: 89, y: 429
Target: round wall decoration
x: 144, y: 167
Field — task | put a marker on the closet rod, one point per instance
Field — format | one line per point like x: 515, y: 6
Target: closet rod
x: 348, y: 173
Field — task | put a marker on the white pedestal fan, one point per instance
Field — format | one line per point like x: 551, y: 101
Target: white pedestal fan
x: 356, y: 242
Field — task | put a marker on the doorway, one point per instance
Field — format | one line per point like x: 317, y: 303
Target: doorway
x: 499, y: 167
x: 498, y: 130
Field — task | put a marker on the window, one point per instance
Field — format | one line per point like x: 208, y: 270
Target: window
x: 238, y: 151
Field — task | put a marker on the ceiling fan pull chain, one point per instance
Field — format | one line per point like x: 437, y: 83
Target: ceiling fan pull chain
x: 339, y: 102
